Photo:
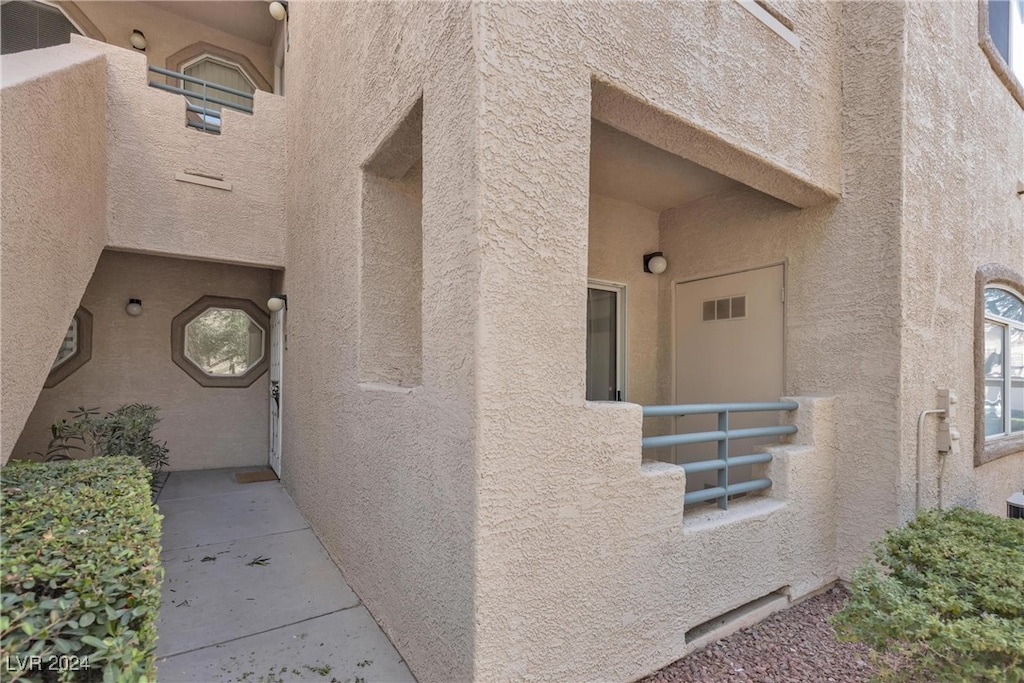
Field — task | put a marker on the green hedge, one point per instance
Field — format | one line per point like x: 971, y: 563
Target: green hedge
x: 80, y: 566
x: 948, y: 591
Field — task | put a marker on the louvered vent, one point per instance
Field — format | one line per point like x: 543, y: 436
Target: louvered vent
x: 1015, y: 506
x: 30, y: 25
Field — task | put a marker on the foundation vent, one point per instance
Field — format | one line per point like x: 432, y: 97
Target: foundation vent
x: 735, y: 619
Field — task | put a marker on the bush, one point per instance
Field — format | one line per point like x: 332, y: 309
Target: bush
x: 79, y: 563
x: 125, y: 431
x: 948, y: 591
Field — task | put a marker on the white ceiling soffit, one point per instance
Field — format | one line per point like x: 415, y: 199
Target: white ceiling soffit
x: 628, y: 169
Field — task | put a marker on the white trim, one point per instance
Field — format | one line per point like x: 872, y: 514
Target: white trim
x: 621, y: 327
x: 765, y: 17
x: 201, y: 180
x: 1008, y: 379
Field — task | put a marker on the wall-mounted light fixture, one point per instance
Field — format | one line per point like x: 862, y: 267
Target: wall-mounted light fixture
x: 134, y: 307
x: 277, y: 302
x: 655, y: 262
x: 138, y: 40
x: 279, y: 10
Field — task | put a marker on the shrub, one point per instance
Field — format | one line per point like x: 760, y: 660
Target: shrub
x: 947, y: 590
x: 79, y: 571
x: 125, y: 431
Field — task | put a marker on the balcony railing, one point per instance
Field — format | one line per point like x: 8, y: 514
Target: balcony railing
x: 723, y: 435
x: 198, y: 113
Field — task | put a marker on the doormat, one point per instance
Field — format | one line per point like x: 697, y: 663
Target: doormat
x: 257, y: 475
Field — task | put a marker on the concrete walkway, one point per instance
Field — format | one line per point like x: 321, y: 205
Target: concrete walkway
x: 250, y: 595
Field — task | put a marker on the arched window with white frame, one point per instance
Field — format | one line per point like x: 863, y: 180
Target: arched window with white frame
x: 999, y: 359
x: 1004, y: 363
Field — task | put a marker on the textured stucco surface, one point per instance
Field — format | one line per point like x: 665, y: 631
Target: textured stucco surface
x: 53, y: 212
x: 167, y: 33
x: 131, y: 362
x: 619, y: 235
x: 150, y: 211
x: 964, y: 155
x: 572, y: 533
x: 386, y: 475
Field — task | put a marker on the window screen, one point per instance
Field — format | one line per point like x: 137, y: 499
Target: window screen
x: 31, y: 25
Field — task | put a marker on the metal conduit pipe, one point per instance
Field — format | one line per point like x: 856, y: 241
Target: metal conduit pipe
x: 920, y: 438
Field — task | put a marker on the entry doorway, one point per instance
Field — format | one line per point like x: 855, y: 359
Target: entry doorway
x: 276, y: 362
x: 728, y: 333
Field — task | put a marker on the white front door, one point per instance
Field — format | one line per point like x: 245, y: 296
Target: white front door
x: 728, y: 349
x: 276, y: 358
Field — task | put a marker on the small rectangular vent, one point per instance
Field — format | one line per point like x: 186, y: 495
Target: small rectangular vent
x: 727, y: 308
x: 740, y: 616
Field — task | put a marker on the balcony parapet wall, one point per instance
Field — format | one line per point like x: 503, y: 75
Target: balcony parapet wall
x: 150, y: 147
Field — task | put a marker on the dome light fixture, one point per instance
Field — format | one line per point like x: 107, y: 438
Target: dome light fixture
x: 655, y: 263
x: 134, y: 307
x: 138, y: 40
x: 277, y: 303
x: 278, y: 10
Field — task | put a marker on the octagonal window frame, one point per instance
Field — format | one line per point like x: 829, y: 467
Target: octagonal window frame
x: 80, y: 356
x: 201, y: 377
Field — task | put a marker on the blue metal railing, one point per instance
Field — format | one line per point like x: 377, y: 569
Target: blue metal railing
x: 723, y: 435
x: 204, y: 116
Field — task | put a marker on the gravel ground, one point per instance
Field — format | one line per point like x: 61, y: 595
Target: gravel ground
x: 796, y: 644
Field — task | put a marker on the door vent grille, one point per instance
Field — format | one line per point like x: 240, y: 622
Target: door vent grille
x: 728, y: 308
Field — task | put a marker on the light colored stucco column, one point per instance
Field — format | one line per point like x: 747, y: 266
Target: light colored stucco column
x: 54, y: 211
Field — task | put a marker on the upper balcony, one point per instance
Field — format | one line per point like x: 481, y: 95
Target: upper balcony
x: 171, y: 187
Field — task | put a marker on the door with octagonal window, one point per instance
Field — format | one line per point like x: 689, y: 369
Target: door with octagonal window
x: 222, y: 342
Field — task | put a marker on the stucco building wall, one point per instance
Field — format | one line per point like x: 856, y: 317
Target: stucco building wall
x: 168, y: 33
x: 619, y: 235
x: 150, y: 211
x: 571, y: 531
x: 385, y: 474
x: 964, y: 158
x: 53, y: 211
x: 131, y: 363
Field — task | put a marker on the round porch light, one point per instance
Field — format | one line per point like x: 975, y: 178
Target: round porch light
x: 138, y: 40
x: 278, y: 11
x: 134, y: 307
x: 655, y: 262
x: 276, y: 303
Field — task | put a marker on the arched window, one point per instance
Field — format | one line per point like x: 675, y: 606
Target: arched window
x: 221, y: 72
x: 27, y: 25
x: 1000, y: 357
x: 1004, y: 363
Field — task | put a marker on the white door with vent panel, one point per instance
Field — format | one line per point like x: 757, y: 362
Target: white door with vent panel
x: 728, y: 349
x: 276, y: 358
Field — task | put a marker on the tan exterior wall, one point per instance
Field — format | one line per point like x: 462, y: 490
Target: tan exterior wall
x: 149, y: 144
x: 572, y: 533
x: 620, y: 234
x: 131, y: 362
x: 964, y: 159
x: 167, y: 33
x: 385, y: 474
x: 53, y: 212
